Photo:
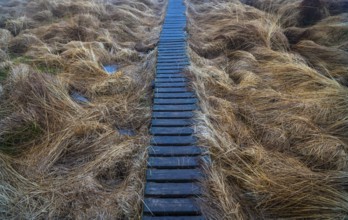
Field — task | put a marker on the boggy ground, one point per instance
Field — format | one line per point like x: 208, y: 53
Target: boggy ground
x: 271, y: 77
x: 67, y: 159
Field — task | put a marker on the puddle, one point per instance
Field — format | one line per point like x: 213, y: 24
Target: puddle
x: 110, y: 69
x: 126, y: 132
x: 77, y: 97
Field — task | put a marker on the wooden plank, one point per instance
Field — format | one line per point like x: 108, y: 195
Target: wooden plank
x: 168, y: 56
x: 173, y: 61
x: 170, y: 122
x: 165, y: 206
x: 171, y: 64
x: 175, y: 95
x: 172, y: 67
x: 173, y: 56
x: 172, y: 43
x: 170, y: 85
x: 172, y: 49
x: 172, y: 189
x: 179, y: 52
x: 176, y: 90
x: 173, y: 140
x: 173, y: 31
x: 178, y: 32
x: 170, y: 79
x: 175, y: 101
x: 173, y: 175
x: 171, y: 131
x: 172, y: 115
x: 173, y: 22
x: 166, y: 25
x: 189, y: 107
x: 173, y: 75
x: 173, y: 162
x: 172, y: 40
x: 168, y: 71
x: 173, y: 27
x: 174, y: 151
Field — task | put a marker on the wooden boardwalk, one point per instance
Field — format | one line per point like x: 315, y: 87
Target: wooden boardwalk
x: 174, y: 159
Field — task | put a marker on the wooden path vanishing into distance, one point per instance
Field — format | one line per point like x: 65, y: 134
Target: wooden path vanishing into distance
x: 173, y: 165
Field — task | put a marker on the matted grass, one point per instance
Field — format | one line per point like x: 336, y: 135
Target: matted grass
x: 64, y: 159
x: 273, y: 109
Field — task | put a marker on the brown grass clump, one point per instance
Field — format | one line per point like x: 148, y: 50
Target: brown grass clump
x: 273, y: 101
x: 62, y: 157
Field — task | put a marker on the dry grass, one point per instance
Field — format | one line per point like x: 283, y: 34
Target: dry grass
x: 272, y: 92
x: 273, y: 109
x: 64, y: 159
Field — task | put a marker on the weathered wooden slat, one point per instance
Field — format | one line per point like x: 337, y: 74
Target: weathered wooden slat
x: 166, y: 55
x: 173, y: 162
x: 170, y: 122
x: 172, y: 115
x: 171, y: 131
x: 170, y: 79
x: 173, y: 140
x: 174, y: 62
x: 173, y: 175
x: 168, y: 71
x: 189, y: 107
x: 167, y: 90
x: 174, y: 27
x: 173, y: 59
x: 178, y: 52
x: 164, y: 206
x: 172, y: 75
x: 173, y: 56
x: 173, y: 22
x: 170, y: 85
x: 173, y: 67
x: 175, y: 101
x: 173, y: 34
x: 172, y: 189
x: 172, y: 49
x: 169, y: 62
x: 172, y: 38
x: 174, y: 151
x: 179, y: 44
x: 175, y: 95
x: 172, y: 43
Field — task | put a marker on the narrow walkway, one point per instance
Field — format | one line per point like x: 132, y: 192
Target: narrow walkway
x: 173, y: 164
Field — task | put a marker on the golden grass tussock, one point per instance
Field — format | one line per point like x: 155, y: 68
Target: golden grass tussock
x: 273, y: 108
x: 271, y: 78
x: 72, y: 136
